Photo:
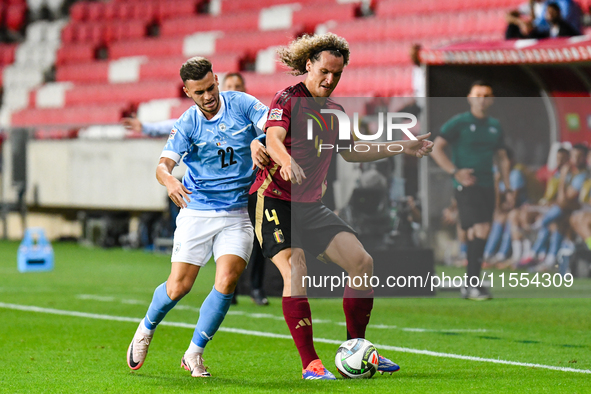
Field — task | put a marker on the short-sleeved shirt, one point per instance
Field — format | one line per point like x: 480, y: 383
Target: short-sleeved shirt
x: 217, y: 151
x: 474, y: 142
x: 292, y: 114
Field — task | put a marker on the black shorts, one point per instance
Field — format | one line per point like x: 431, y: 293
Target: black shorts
x: 280, y: 224
x: 476, y: 204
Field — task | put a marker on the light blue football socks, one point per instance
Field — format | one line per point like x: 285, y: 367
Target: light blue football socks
x: 212, y: 313
x: 159, y: 307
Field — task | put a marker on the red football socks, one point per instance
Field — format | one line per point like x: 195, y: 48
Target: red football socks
x: 357, y: 305
x: 298, y: 317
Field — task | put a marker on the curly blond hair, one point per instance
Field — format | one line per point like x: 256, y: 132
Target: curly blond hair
x: 297, y: 53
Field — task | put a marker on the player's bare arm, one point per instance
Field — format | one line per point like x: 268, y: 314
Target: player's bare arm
x: 290, y: 170
x: 419, y: 148
x: 463, y: 175
x: 259, y: 154
x: 177, y: 192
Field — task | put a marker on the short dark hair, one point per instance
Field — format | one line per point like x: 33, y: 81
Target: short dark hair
x: 230, y: 75
x: 195, y: 68
x: 480, y: 82
x: 582, y: 147
x: 555, y: 6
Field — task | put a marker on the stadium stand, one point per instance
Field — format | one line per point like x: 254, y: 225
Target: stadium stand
x: 116, y: 49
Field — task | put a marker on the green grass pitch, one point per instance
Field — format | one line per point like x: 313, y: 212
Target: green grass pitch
x: 86, y: 312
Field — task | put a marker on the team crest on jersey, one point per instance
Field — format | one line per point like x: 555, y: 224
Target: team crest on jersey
x: 278, y: 236
x: 258, y: 106
x: 492, y: 130
x: 177, y: 248
x: 172, y: 134
x: 275, y: 114
x: 472, y: 127
x: 278, y: 192
x: 222, y: 127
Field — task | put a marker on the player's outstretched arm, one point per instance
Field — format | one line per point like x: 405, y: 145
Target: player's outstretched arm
x: 419, y: 148
x: 177, y: 192
x: 290, y: 170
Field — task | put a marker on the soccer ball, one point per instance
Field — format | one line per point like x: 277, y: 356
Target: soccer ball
x: 357, y: 359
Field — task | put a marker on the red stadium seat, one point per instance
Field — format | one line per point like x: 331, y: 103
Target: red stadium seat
x: 70, y: 116
x: 7, y: 52
x: 78, y: 11
x: 185, y: 25
x: 131, y: 93
x: 154, y: 47
x: 15, y: 15
x: 175, y: 8
x: 144, y: 11
x: 72, y: 53
x: 90, y: 72
x: 91, y: 32
x: 251, y: 42
x: 243, y: 5
x: 94, y: 11
x: 168, y: 67
x: 311, y: 15
x: 379, y: 54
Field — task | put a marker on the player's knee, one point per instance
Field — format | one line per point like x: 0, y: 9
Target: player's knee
x: 227, y: 282
x: 177, y: 290
x: 365, y: 264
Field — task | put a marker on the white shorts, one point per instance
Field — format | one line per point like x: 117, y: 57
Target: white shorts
x: 198, y: 234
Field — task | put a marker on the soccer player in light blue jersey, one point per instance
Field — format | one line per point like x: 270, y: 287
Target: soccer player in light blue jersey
x: 213, y: 138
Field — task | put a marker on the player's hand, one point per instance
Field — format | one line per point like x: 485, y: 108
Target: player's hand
x: 465, y: 177
x: 419, y: 147
x: 259, y: 154
x: 132, y: 124
x: 292, y: 172
x: 177, y: 192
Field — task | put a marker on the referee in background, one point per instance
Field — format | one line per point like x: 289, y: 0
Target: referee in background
x: 476, y: 141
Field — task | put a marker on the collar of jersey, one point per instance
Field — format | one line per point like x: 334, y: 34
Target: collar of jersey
x: 218, y: 115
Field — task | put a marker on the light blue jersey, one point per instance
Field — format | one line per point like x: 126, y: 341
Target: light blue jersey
x: 217, y: 151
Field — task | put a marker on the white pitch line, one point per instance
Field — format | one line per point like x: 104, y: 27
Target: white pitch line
x: 264, y: 334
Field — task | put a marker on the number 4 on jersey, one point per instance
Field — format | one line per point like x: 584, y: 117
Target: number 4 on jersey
x: 272, y: 218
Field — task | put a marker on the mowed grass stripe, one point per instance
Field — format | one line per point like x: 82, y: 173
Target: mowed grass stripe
x: 29, y: 308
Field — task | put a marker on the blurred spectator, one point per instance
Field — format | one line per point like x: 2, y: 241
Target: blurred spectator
x: 522, y: 218
x: 521, y: 21
x: 569, y: 9
x: 558, y: 26
x: 543, y: 19
x: 552, y: 226
x: 501, y: 227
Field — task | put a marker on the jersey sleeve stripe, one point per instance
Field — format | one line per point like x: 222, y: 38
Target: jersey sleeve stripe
x: 263, y: 120
x: 171, y: 155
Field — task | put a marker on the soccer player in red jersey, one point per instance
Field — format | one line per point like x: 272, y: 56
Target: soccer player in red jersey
x: 289, y: 220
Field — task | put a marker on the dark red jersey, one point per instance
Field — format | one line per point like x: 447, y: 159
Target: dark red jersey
x: 291, y: 109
